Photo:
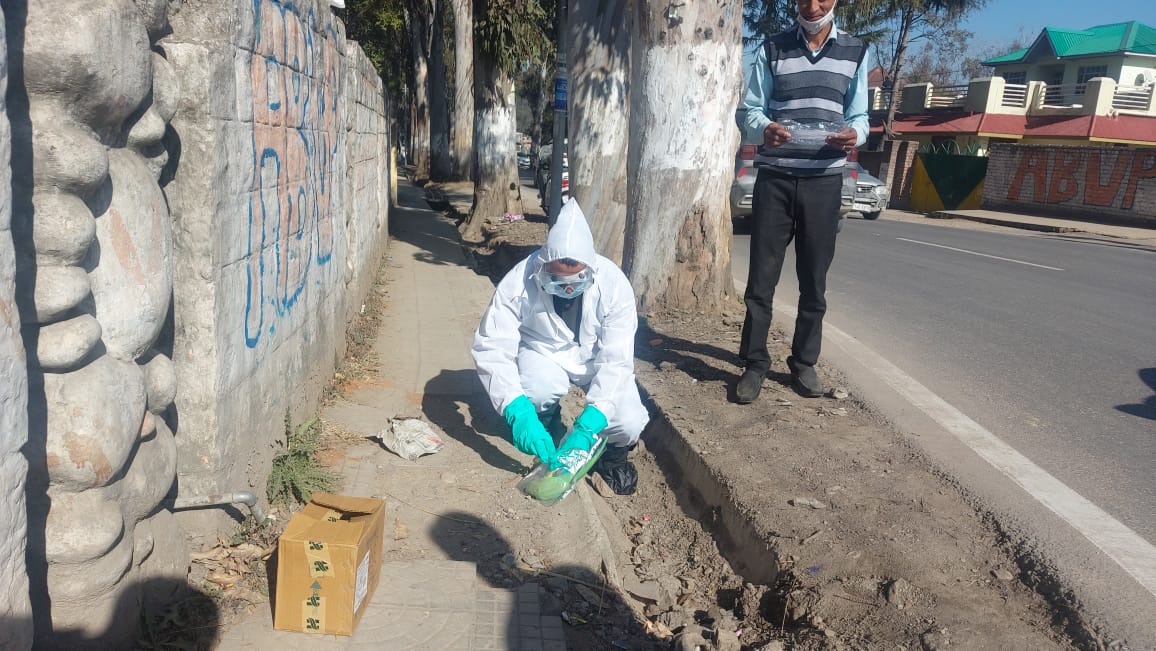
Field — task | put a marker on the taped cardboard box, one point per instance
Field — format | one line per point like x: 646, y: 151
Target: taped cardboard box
x: 329, y: 562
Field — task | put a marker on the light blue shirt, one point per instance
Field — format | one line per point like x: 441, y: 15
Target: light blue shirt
x: 761, y: 85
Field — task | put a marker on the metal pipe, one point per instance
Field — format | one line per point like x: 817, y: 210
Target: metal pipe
x: 240, y: 497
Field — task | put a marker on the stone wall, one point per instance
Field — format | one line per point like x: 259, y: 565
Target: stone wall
x: 1089, y: 182
x: 209, y: 187
x: 279, y: 203
x: 15, y: 610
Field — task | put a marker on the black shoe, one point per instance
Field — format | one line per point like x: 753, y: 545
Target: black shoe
x: 805, y: 379
x: 552, y: 421
x: 749, y: 386
x: 618, y: 473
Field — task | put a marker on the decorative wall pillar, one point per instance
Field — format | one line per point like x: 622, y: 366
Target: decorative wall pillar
x: 93, y: 241
x: 15, y: 609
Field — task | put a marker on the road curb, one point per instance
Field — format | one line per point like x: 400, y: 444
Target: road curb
x: 1010, y: 223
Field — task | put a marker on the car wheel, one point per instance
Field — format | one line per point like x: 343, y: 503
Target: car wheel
x: 872, y: 215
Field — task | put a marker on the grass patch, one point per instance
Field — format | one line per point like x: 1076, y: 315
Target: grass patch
x: 361, y: 361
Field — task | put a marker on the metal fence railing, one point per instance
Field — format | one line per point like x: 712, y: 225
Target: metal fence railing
x: 947, y: 97
x: 1064, y: 96
x: 1132, y: 98
x: 1015, y: 95
x: 882, y: 101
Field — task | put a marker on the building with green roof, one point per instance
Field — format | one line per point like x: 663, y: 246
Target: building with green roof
x: 1123, y: 52
x: 1093, y: 86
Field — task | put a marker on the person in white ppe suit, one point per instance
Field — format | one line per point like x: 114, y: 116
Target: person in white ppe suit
x: 565, y: 315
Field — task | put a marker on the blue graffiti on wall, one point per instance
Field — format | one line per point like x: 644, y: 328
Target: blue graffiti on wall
x: 295, y: 76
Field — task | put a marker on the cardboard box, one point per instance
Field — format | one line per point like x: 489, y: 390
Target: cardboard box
x: 329, y: 562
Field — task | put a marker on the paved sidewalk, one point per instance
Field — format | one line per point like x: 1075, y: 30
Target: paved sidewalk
x: 452, y: 516
x: 1050, y: 224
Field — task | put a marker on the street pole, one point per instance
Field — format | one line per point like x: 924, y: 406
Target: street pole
x: 561, y: 81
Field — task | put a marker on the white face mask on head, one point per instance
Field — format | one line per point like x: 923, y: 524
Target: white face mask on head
x: 816, y: 26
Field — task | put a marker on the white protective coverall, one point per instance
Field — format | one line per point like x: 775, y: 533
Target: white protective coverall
x: 522, y: 346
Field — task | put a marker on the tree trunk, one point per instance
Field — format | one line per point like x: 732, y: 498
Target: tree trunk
x: 496, y: 188
x: 541, y: 101
x: 905, y: 20
x: 686, y: 76
x: 411, y: 124
x: 419, y: 147
x: 462, y: 155
x: 599, y: 38
x: 438, y: 104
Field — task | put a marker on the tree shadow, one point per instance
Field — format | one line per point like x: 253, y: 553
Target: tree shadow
x: 541, y: 595
x: 151, y: 614
x: 411, y: 222
x: 687, y: 356
x: 450, y: 397
x: 684, y: 354
x: 1146, y: 409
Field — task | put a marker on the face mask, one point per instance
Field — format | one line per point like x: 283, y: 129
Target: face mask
x: 815, y: 26
x: 566, y: 286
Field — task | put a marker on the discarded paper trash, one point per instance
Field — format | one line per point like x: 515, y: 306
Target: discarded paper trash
x: 410, y: 438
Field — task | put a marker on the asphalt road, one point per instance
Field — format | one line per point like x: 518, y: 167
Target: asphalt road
x: 1047, y: 341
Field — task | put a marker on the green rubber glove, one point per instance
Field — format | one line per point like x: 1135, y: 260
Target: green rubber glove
x: 530, y: 436
x: 587, y: 426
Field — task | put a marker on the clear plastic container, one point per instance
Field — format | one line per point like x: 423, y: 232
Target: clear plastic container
x: 552, y: 486
x: 811, y: 135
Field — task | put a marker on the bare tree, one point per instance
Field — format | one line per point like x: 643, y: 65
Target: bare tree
x: 941, y: 61
x: 972, y: 65
x: 685, y: 81
x: 915, y: 20
x: 599, y: 37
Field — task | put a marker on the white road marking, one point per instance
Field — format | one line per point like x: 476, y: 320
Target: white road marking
x: 984, y: 255
x: 1128, y: 549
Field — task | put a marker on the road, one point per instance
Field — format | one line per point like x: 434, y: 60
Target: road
x: 1047, y: 341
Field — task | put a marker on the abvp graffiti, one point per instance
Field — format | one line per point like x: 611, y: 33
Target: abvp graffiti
x: 295, y: 79
x: 1091, y: 177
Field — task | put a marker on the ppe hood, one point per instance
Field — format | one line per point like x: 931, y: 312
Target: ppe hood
x: 569, y: 238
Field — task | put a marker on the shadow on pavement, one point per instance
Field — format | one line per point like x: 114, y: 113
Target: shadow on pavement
x: 412, y: 222
x: 190, y: 620
x: 672, y: 350
x: 452, y: 396
x: 575, y: 589
x: 1146, y: 409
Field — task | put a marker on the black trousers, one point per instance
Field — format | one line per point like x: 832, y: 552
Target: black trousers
x: 805, y: 209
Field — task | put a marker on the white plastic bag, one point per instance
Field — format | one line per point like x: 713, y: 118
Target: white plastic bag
x: 410, y: 438
x: 552, y: 486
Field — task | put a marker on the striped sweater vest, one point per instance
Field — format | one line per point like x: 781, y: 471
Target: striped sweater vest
x: 808, y: 87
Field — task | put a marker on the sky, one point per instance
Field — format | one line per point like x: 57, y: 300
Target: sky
x: 1002, y: 20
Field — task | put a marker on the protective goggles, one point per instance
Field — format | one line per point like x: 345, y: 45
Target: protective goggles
x: 566, y: 286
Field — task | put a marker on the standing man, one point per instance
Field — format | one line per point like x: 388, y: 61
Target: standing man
x: 565, y: 315
x: 810, y: 73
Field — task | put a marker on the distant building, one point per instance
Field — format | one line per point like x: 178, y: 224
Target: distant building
x: 1093, y: 86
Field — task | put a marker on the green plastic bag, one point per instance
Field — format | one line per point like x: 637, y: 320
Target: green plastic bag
x: 552, y: 486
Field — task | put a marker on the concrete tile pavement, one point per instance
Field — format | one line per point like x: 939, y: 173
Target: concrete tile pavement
x: 430, y: 595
